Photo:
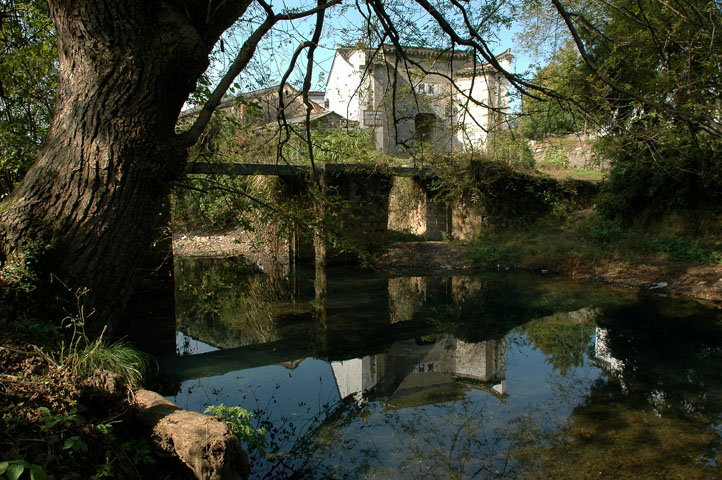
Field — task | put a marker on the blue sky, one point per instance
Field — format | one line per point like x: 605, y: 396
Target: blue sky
x: 272, y: 57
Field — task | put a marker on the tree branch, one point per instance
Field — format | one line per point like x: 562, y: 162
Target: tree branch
x: 191, y: 136
x: 307, y: 81
x: 704, y: 123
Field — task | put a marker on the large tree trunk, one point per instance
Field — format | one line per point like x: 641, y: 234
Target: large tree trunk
x: 126, y: 68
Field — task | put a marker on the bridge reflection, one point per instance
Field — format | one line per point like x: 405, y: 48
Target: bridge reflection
x: 401, y: 338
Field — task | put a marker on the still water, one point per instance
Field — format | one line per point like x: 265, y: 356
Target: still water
x: 497, y: 375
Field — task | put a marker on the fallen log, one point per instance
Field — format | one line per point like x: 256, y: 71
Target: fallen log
x: 205, y: 444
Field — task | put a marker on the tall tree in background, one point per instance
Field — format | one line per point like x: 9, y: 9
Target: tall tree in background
x: 28, y: 77
x: 645, y: 75
x: 543, y: 115
x: 651, y: 76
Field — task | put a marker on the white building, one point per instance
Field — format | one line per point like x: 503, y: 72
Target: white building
x: 420, y: 101
x: 448, y: 366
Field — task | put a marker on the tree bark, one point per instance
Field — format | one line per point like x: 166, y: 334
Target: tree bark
x: 125, y: 70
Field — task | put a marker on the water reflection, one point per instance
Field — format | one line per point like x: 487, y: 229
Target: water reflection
x: 489, y: 376
x: 417, y: 372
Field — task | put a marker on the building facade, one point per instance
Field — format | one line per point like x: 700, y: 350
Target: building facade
x: 428, y: 99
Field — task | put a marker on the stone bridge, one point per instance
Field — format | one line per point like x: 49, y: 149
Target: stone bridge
x: 376, y: 200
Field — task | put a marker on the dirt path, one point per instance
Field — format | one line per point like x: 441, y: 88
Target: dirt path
x: 229, y: 243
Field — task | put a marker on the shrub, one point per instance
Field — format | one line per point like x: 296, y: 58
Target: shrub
x: 490, y: 254
x: 673, y: 174
x: 513, y: 151
x: 239, y: 419
x: 555, y: 157
x: 603, y: 231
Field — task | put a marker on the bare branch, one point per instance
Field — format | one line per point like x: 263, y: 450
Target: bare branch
x: 244, y: 56
x: 282, y: 121
x: 307, y: 81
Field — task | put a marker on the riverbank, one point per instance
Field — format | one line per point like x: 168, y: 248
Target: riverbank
x: 62, y: 424
x: 701, y: 282
x: 64, y: 420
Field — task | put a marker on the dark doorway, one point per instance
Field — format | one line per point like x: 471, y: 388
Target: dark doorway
x: 424, y: 126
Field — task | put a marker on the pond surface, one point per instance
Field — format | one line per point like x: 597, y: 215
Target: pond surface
x: 496, y: 375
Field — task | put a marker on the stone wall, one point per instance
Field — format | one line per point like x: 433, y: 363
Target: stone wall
x: 576, y: 148
x: 413, y: 209
x: 467, y: 220
x: 407, y: 206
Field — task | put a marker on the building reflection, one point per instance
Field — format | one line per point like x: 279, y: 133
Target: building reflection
x: 423, y: 371
x: 603, y: 352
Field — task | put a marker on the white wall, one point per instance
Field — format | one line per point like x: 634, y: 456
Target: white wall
x: 342, y: 87
x: 460, y: 125
x: 472, y: 119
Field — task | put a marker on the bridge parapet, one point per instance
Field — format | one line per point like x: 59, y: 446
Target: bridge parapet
x: 208, y: 168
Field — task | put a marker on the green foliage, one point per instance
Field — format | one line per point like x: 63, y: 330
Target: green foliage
x: 118, y: 358
x: 682, y: 248
x: 239, y: 419
x: 28, y: 264
x: 36, y: 329
x: 215, y: 203
x: 509, y: 197
x: 28, y: 78
x: 672, y: 173
x: 14, y: 469
x: 613, y: 236
x: 512, y: 151
x: 210, y: 306
x: 50, y: 422
x: 563, y: 341
x: 603, y: 231
x: 663, y: 138
x: 549, y: 115
x: 139, y: 451
x: 75, y: 444
x: 555, y: 157
x: 482, y: 254
x: 343, y: 146
x: 650, y: 96
x: 82, y: 356
x: 24, y: 275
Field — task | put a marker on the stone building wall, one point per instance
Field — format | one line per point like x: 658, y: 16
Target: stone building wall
x: 576, y: 148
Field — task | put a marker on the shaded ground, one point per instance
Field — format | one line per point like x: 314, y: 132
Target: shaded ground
x: 70, y: 429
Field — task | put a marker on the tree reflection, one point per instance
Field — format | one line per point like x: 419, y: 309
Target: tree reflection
x: 564, y: 338
x: 224, y: 304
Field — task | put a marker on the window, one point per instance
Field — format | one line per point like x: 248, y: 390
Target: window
x: 427, y: 367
